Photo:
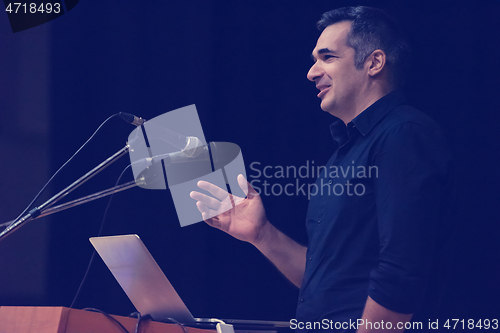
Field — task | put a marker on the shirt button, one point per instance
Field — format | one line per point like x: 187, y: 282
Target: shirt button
x: 302, y: 300
x: 319, y: 221
x: 330, y: 182
x: 310, y: 258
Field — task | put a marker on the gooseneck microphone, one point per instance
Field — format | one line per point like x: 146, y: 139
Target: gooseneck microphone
x: 131, y: 119
x: 190, y: 154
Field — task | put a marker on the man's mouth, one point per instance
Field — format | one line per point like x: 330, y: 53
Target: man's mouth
x: 323, y: 90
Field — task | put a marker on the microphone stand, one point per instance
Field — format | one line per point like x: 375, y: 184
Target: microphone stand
x: 45, y: 209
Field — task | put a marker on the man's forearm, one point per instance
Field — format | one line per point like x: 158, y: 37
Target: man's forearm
x: 286, y: 254
x: 375, y: 314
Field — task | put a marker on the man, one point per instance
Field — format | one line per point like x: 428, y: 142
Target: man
x: 371, y: 245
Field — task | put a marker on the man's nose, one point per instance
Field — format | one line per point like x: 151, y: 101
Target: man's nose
x: 315, y: 72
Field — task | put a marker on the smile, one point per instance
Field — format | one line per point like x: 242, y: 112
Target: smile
x: 323, y: 91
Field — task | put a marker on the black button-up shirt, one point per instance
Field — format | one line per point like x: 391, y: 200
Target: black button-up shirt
x: 375, y: 221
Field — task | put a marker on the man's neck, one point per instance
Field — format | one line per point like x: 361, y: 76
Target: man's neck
x: 363, y: 102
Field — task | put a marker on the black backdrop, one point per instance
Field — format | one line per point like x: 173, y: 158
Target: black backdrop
x: 244, y: 64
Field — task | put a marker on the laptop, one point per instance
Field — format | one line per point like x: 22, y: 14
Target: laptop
x: 150, y: 291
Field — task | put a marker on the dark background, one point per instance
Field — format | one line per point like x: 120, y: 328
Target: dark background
x: 244, y: 65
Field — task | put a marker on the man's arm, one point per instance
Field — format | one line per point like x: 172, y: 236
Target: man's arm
x: 411, y: 191
x: 376, y: 313
x: 286, y: 254
x: 245, y: 219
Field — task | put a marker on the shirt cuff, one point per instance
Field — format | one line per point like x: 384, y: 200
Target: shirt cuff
x: 401, y: 294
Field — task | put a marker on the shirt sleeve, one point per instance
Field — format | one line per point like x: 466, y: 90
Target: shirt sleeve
x: 412, y: 162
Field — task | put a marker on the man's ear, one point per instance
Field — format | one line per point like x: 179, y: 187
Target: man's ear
x: 376, y: 62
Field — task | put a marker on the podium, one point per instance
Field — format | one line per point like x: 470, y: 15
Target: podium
x: 32, y: 319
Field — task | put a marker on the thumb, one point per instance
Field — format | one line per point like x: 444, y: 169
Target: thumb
x: 246, y: 187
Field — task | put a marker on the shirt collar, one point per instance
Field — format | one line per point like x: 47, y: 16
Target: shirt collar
x: 367, y: 119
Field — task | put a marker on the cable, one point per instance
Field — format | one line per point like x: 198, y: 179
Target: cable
x: 58, y: 170
x: 137, y: 315
x: 99, y: 234
x: 109, y: 317
x: 140, y: 319
x: 172, y: 320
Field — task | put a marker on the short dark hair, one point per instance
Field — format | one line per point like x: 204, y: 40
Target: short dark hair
x: 372, y: 29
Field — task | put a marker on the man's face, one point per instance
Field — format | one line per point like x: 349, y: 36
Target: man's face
x: 334, y: 72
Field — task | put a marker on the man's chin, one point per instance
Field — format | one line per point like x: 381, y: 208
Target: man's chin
x: 329, y: 108
x: 326, y: 106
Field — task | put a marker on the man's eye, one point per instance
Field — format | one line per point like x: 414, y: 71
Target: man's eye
x: 327, y: 56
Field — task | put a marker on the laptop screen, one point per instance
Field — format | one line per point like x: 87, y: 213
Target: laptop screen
x: 141, y: 278
x: 151, y: 292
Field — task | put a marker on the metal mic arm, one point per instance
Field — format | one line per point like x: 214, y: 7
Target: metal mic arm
x: 38, y: 211
x: 78, y: 202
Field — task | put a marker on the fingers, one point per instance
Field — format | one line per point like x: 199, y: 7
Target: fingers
x: 208, y: 201
x: 204, y: 210
x: 215, y: 190
x: 208, y: 215
x: 211, y: 207
x: 246, y: 187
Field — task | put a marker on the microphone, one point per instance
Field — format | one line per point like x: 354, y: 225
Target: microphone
x: 193, y: 147
x: 186, y: 144
x: 182, y: 162
x: 191, y: 153
x: 131, y: 119
x: 187, y: 155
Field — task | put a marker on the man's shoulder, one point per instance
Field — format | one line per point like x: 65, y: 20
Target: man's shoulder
x: 405, y: 123
x: 409, y: 134
x: 406, y: 115
x: 408, y: 127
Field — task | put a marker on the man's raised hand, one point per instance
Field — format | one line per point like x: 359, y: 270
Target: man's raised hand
x: 242, y: 218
